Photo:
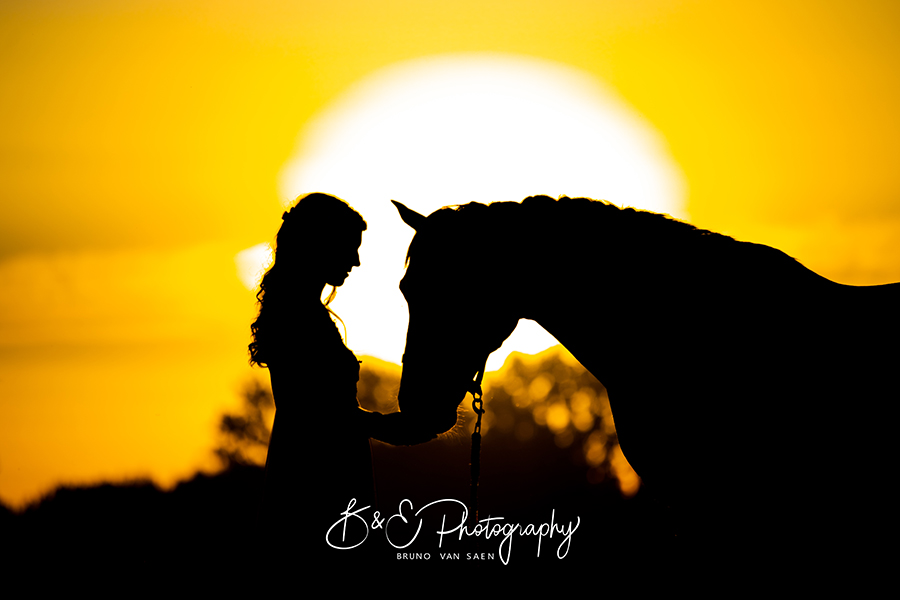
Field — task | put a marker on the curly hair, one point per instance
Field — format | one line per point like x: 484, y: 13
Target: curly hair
x: 313, y: 222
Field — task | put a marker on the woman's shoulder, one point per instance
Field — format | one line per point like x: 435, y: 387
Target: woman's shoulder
x: 309, y: 334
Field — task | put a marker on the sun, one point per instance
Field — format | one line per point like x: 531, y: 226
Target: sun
x: 460, y: 128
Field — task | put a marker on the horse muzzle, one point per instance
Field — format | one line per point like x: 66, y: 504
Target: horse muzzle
x: 408, y: 429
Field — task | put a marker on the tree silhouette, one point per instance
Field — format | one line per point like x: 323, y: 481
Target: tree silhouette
x: 551, y: 400
x: 245, y: 436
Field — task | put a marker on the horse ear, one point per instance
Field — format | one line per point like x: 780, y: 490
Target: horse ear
x: 409, y: 216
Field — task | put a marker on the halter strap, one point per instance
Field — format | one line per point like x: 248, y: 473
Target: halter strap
x: 478, y: 407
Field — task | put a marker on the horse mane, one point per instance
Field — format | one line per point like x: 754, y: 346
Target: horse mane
x: 594, y: 234
x: 579, y: 221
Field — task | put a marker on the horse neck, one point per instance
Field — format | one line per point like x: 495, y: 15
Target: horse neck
x: 597, y: 300
x: 581, y: 300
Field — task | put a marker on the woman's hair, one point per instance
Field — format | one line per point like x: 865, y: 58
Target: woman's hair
x: 304, y: 237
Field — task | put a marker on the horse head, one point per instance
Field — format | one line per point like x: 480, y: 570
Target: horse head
x: 453, y: 324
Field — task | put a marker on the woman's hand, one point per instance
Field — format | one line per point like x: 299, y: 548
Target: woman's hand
x: 391, y: 428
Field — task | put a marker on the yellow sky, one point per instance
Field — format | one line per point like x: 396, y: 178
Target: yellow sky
x: 141, y: 143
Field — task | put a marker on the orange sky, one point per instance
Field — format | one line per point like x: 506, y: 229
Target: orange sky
x: 141, y: 142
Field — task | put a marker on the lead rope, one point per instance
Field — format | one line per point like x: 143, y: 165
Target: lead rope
x: 478, y: 407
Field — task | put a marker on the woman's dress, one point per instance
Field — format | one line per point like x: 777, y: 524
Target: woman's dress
x: 319, y: 459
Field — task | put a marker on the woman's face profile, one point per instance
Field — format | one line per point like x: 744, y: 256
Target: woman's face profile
x: 342, y: 258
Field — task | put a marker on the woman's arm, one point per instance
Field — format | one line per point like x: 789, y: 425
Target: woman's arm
x: 391, y: 428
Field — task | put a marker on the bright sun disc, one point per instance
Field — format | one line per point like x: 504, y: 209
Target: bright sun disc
x: 462, y: 128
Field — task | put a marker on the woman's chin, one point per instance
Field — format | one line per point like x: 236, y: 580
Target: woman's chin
x: 337, y: 281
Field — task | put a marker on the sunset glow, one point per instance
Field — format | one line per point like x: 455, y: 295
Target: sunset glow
x: 453, y: 129
x: 149, y: 147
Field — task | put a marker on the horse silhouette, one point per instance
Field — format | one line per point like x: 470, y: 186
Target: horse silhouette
x: 750, y: 393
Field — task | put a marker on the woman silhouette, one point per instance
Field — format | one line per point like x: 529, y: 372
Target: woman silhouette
x: 319, y: 455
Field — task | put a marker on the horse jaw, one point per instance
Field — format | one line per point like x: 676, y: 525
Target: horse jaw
x: 429, y: 409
